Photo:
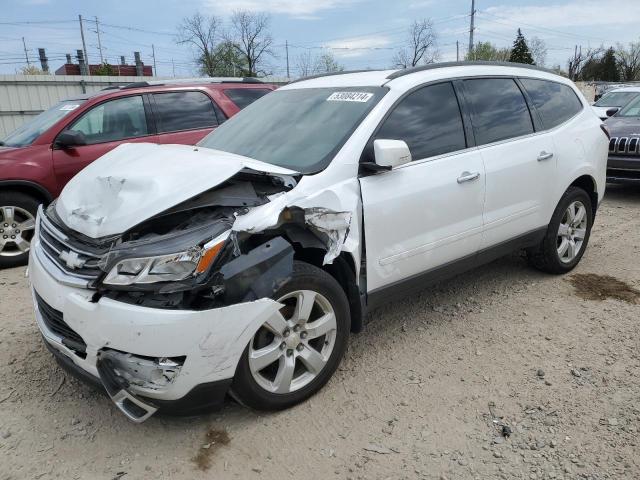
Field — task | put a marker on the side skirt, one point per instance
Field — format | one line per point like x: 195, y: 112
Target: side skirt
x: 416, y: 283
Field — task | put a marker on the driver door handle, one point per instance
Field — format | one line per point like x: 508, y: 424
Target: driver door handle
x: 468, y: 177
x: 544, y: 156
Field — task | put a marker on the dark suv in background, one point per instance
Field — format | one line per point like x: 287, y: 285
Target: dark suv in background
x: 41, y: 156
x: 624, y: 146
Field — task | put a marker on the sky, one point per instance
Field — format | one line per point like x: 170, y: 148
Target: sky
x: 360, y: 33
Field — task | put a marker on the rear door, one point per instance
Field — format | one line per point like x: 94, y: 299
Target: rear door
x: 520, y: 164
x: 184, y: 117
x: 427, y: 213
x: 105, y: 126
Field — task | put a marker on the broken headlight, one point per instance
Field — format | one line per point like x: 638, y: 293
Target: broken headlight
x: 164, y: 268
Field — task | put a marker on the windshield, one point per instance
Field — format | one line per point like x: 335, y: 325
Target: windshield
x: 632, y: 109
x: 28, y: 132
x: 298, y: 129
x: 615, y: 99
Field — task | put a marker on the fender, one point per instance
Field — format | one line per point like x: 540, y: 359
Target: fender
x: 26, y: 185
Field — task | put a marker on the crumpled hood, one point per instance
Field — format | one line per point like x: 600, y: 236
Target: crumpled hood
x: 136, y: 181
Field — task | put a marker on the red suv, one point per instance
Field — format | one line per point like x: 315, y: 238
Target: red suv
x: 40, y: 157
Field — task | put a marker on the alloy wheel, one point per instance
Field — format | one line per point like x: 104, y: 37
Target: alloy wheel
x: 292, y: 348
x: 16, y: 231
x: 572, y: 232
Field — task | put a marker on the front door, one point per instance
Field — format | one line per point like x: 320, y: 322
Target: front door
x: 427, y: 213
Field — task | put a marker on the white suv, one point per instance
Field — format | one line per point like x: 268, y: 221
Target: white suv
x: 172, y: 275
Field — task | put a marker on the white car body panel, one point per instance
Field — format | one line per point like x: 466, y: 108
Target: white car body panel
x: 601, y: 112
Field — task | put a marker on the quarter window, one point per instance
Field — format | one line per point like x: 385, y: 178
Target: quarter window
x: 499, y: 110
x: 555, y: 102
x: 428, y: 120
x: 177, y: 111
x: 113, y: 120
x: 243, y: 97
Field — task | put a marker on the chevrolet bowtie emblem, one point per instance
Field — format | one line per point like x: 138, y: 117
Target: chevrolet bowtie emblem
x: 72, y: 259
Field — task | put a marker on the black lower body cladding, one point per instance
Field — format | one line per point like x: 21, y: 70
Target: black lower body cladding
x: 623, y: 169
x: 258, y: 273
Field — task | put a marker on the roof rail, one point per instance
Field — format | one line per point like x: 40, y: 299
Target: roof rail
x: 342, y: 72
x: 178, y: 81
x: 433, y: 66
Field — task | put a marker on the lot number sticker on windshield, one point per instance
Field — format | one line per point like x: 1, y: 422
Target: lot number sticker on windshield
x: 69, y: 107
x: 349, y: 97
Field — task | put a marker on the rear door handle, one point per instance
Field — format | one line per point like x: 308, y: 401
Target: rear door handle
x: 544, y: 156
x: 468, y: 177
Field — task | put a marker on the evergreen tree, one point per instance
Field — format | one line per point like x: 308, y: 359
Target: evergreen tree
x: 520, y: 52
x: 609, y: 66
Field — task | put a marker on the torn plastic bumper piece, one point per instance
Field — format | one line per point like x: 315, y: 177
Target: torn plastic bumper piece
x: 133, y: 408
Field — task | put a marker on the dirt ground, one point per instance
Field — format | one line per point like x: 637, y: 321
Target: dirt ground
x: 503, y: 372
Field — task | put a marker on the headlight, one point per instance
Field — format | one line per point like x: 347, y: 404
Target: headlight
x: 164, y: 268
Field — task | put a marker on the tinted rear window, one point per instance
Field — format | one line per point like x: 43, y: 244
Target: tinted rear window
x: 555, y: 102
x: 177, y: 111
x: 428, y: 120
x: 243, y: 97
x: 499, y: 110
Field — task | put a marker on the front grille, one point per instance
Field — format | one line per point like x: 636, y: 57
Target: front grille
x: 54, y: 321
x: 624, y: 145
x: 73, y: 261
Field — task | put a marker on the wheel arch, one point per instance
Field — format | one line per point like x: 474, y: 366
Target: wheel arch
x: 30, y: 188
x: 588, y: 184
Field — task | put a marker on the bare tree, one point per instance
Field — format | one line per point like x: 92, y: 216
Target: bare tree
x: 538, y: 49
x: 305, y: 64
x: 629, y: 61
x: 327, y: 63
x: 421, y: 45
x: 250, y: 32
x: 201, y: 33
x: 308, y: 64
x: 577, y: 62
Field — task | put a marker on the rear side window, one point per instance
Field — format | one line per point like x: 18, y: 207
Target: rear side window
x: 177, y: 111
x: 243, y: 97
x: 499, y: 110
x: 428, y: 120
x: 555, y: 102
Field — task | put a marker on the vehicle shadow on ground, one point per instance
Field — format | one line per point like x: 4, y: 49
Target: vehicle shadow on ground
x: 629, y: 194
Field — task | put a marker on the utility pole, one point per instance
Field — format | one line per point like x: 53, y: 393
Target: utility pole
x: 173, y: 68
x: 286, y: 46
x: 99, y: 43
x: 457, y: 51
x: 472, y: 28
x: 153, y: 54
x: 26, y: 53
x: 84, y: 45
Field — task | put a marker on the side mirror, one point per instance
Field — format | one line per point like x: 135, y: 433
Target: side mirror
x: 70, y: 138
x: 391, y: 153
x: 612, y: 111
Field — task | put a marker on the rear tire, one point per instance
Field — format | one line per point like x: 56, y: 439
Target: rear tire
x: 292, y: 357
x: 567, y: 234
x: 17, y: 223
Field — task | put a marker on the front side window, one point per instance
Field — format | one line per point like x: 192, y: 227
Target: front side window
x: 177, y: 111
x: 499, y: 111
x: 301, y: 129
x: 616, y: 99
x: 28, y: 132
x: 555, y: 102
x: 113, y: 120
x: 243, y: 97
x: 428, y: 120
x: 632, y: 109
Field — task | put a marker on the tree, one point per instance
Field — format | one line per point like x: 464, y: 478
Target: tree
x: 629, y: 61
x: 250, y: 34
x: 579, y: 59
x: 308, y: 64
x: 489, y: 52
x: 226, y: 61
x: 31, y: 70
x: 602, y: 67
x: 538, y: 49
x: 421, y: 46
x: 201, y: 34
x: 105, y: 69
x: 520, y: 51
x: 326, y: 63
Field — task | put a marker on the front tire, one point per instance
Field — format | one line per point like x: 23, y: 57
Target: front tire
x: 17, y: 226
x: 567, y: 234
x: 294, y: 354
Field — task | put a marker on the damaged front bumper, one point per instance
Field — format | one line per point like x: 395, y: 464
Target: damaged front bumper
x: 145, y: 358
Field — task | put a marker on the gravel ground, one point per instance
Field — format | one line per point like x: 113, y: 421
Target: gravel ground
x: 503, y: 372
